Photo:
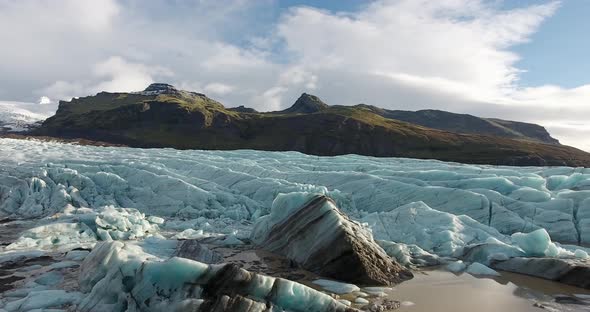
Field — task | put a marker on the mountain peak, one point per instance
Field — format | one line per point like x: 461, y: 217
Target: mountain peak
x: 243, y: 109
x: 307, y: 104
x: 160, y: 88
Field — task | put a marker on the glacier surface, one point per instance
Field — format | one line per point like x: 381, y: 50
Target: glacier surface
x: 447, y: 205
x: 19, y: 116
x: 40, y: 179
x: 419, y: 211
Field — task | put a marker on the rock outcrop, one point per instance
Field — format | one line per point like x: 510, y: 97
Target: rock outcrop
x: 192, y: 249
x: 306, y: 104
x: 243, y: 109
x: 568, y: 271
x: 160, y: 88
x: 464, y: 123
x: 311, y: 231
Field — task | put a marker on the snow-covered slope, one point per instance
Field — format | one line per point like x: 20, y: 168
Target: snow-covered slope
x: 17, y: 116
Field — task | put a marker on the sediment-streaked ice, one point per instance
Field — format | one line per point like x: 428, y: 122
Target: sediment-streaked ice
x: 419, y: 211
x: 40, y: 179
x: 223, y: 188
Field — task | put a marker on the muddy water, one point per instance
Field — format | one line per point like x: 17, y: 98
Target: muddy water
x: 444, y: 291
x: 430, y: 289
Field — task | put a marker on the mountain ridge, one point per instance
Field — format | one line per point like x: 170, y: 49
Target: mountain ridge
x: 165, y: 117
x: 466, y: 123
x: 306, y: 104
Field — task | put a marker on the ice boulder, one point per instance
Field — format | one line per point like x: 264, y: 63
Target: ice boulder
x: 124, y: 223
x: 580, y: 254
x: 310, y: 230
x: 336, y: 287
x: 55, y: 235
x: 435, y: 231
x: 491, y: 250
x: 479, y: 269
x: 456, y: 266
x: 536, y: 243
x: 409, y: 255
x: 86, y: 226
x: 43, y: 300
x: 123, y: 277
x: 194, y: 250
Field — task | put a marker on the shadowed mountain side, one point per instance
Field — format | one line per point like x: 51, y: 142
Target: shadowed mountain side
x: 306, y: 104
x: 464, y: 123
x: 186, y: 120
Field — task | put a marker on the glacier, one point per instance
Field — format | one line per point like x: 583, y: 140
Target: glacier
x: 68, y: 198
x: 19, y: 116
x: 39, y: 179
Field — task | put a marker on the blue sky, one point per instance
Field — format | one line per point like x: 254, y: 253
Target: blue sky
x: 558, y: 52
x: 334, y: 5
x: 514, y: 59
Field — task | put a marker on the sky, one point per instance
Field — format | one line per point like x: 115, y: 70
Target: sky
x: 522, y: 60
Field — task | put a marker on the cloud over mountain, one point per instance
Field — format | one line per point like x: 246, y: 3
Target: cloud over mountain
x: 403, y: 54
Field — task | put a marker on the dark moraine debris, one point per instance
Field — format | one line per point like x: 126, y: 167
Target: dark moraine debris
x: 118, y: 276
x: 192, y: 249
x: 386, y: 305
x: 228, y: 289
x: 6, y: 281
x: 320, y: 238
x: 568, y: 271
x: 238, y: 303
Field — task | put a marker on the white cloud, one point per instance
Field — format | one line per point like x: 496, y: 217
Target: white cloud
x: 218, y: 88
x: 122, y: 75
x: 92, y: 15
x: 44, y: 100
x: 71, y: 48
x: 410, y: 54
x: 571, y: 133
x: 228, y: 56
x: 115, y: 74
x: 64, y: 90
x: 450, y: 45
x: 400, y: 54
x: 298, y: 76
x: 271, y: 98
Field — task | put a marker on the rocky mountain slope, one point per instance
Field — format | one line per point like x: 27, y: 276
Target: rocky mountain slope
x: 162, y: 116
x: 464, y: 123
x: 306, y: 104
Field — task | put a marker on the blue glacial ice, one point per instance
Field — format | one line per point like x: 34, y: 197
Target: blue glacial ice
x: 477, y: 268
x: 119, y: 276
x: 214, y: 191
x: 419, y: 211
x: 336, y: 287
x: 437, y: 232
x: 39, y: 179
